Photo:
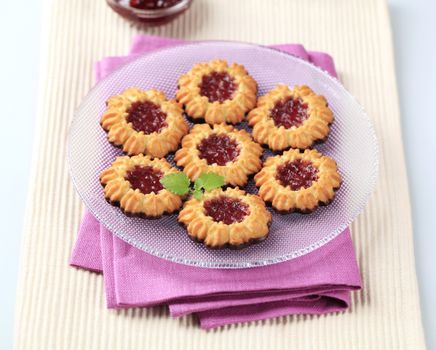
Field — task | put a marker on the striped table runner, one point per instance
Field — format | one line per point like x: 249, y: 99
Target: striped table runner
x: 62, y: 308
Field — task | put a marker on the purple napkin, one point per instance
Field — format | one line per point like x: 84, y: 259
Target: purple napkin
x: 316, y: 283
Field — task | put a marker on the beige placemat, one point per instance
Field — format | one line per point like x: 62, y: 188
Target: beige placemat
x: 63, y: 308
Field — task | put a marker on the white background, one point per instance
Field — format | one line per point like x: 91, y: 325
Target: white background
x: 414, y: 28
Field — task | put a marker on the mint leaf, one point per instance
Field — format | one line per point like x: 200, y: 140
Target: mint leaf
x: 177, y: 183
x: 180, y: 184
x: 210, y: 181
x: 197, y: 193
x: 198, y: 184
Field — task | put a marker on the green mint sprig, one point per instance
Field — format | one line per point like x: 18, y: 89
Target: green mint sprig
x: 177, y: 183
x: 180, y: 184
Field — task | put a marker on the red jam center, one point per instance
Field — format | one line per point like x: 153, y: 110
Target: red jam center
x: 289, y: 112
x: 226, y: 209
x: 146, y: 117
x: 219, y: 149
x: 152, y: 4
x: 297, y: 174
x: 145, y: 178
x: 217, y: 86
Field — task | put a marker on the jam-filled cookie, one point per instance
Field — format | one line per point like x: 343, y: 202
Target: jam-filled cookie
x: 286, y: 118
x: 229, y: 217
x: 144, y: 122
x: 133, y: 184
x: 298, y: 181
x: 217, y: 92
x: 220, y: 149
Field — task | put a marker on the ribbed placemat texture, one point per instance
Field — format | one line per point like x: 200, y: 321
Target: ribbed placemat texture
x: 60, y: 307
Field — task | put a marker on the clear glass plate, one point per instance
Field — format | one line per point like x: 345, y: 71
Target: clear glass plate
x: 351, y: 143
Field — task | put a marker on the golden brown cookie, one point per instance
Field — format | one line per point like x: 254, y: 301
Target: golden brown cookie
x: 133, y: 184
x: 298, y: 180
x: 229, y: 217
x: 217, y: 92
x: 286, y: 118
x: 144, y: 122
x: 220, y: 149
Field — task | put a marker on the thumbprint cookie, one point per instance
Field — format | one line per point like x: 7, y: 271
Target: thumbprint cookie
x: 133, y: 184
x: 286, y: 118
x: 144, y: 122
x: 217, y: 92
x: 219, y: 149
x: 226, y: 218
x: 298, y: 181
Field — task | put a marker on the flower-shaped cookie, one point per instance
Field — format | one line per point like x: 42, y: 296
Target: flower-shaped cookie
x: 287, y: 118
x: 298, y: 180
x: 217, y: 92
x: 133, y: 184
x: 229, y: 217
x: 144, y: 122
x: 219, y: 149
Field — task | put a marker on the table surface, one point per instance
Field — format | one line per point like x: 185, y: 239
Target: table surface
x: 412, y: 21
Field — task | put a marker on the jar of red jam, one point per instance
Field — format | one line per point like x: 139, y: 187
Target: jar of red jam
x: 150, y: 12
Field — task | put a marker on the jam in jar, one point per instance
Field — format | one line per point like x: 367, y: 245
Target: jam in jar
x: 150, y: 12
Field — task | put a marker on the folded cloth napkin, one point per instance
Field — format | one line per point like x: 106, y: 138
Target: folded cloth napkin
x: 316, y: 283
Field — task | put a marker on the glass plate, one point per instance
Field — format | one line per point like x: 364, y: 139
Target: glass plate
x: 351, y: 143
